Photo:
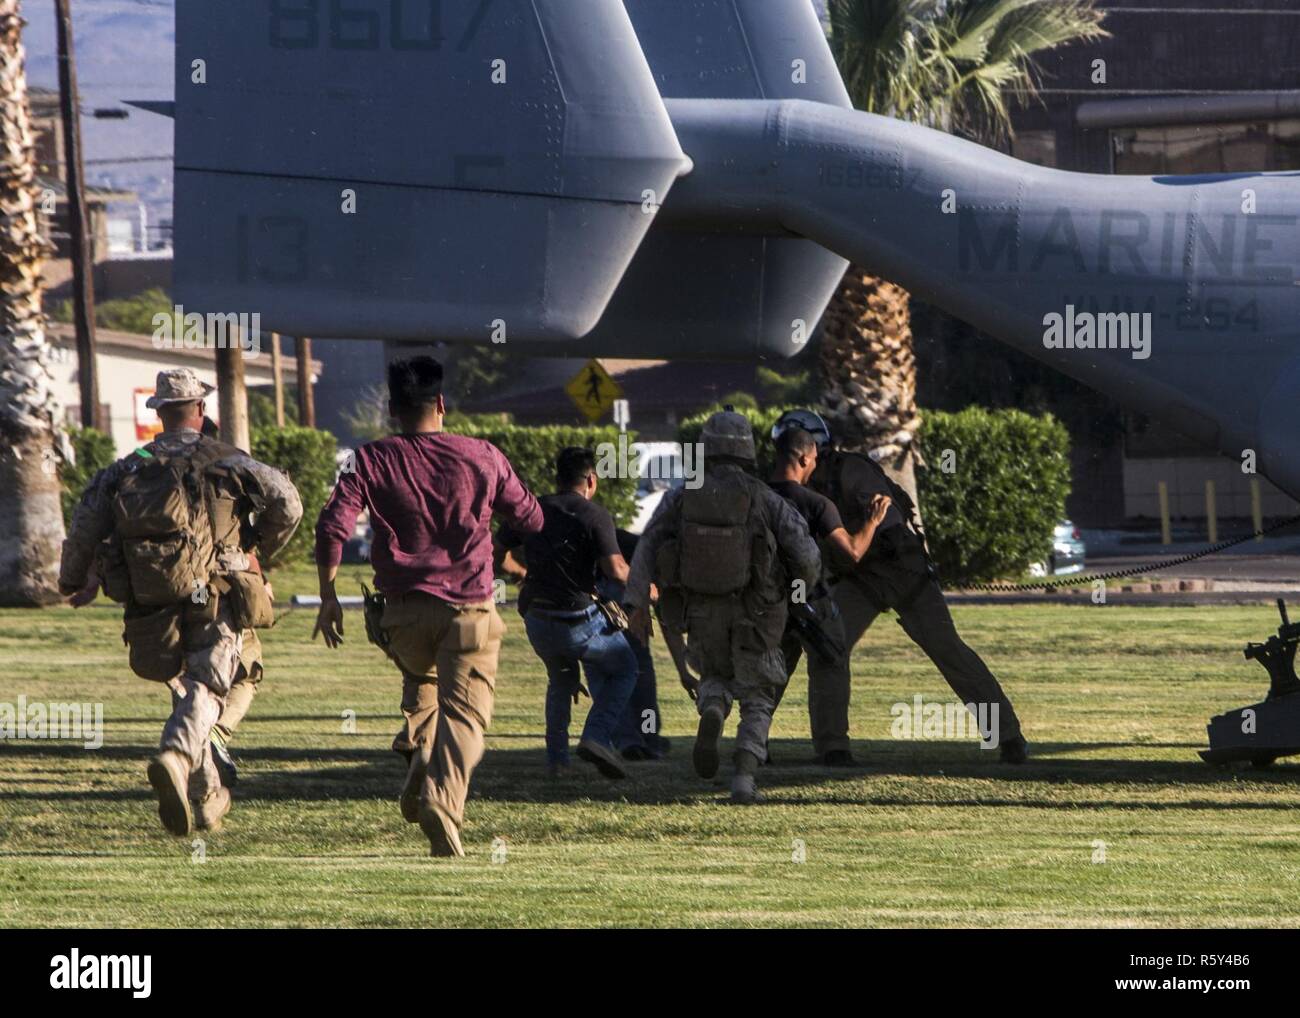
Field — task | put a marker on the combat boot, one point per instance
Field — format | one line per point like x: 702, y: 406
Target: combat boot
x: 744, y: 792
x: 705, y: 756
x: 169, y: 773
x: 208, y: 813
x: 1014, y: 751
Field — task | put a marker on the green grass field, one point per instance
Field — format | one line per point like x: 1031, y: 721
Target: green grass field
x: 927, y: 833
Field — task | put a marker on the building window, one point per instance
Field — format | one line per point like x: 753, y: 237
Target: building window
x: 1208, y: 148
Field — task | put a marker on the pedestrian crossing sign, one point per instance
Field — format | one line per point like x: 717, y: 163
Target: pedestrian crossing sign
x: 593, y: 391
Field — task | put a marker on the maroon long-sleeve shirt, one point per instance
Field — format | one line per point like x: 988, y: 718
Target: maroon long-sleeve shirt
x: 431, y: 499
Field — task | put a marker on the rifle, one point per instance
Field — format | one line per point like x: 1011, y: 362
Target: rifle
x: 812, y: 632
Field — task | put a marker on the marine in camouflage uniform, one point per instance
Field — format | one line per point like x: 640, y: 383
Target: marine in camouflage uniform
x: 728, y: 553
x: 211, y: 642
x: 248, y: 683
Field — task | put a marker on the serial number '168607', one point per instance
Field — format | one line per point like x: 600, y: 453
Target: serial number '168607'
x: 359, y: 24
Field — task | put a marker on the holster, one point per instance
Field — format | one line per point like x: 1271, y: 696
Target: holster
x: 374, y: 616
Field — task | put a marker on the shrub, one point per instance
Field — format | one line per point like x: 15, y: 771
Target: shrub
x: 994, y: 491
x: 94, y: 451
x: 532, y: 451
x: 261, y: 408
x: 125, y: 314
x: 308, y: 457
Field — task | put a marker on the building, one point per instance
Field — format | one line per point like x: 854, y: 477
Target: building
x: 128, y: 367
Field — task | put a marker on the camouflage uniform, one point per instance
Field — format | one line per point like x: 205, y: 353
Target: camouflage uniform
x: 213, y: 646
x: 736, y: 637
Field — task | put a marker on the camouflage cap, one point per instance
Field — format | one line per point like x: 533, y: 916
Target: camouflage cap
x: 179, y: 385
x: 728, y: 433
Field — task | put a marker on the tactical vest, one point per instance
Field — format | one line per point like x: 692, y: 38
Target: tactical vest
x: 724, y: 544
x: 173, y: 513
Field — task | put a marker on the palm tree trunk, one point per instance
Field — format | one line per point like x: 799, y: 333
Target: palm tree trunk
x: 31, y: 521
x: 868, y: 374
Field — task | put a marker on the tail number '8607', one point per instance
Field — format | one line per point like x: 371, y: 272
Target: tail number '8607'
x: 360, y: 24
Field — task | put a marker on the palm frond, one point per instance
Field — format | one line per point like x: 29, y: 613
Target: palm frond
x: 952, y: 63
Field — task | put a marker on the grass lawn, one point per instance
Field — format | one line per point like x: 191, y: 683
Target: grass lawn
x: 928, y: 833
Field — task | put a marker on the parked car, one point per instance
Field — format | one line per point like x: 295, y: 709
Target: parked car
x: 1068, y: 552
x: 659, y: 470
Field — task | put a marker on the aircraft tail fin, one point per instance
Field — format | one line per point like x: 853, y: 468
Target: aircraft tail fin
x: 414, y: 169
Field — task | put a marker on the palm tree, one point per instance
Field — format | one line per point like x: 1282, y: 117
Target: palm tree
x: 951, y: 65
x: 31, y: 522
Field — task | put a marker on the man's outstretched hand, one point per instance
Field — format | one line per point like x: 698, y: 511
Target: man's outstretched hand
x: 329, y: 621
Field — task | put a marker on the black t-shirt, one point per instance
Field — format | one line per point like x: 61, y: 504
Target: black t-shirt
x: 563, y: 559
x: 818, y: 511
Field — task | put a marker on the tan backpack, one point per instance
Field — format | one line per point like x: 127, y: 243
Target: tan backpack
x: 163, y: 512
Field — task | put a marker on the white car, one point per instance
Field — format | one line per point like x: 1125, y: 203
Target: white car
x: 659, y: 468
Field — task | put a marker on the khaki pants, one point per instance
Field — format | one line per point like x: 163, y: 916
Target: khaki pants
x: 448, y: 657
x: 212, y: 651
x: 736, y: 663
x: 929, y: 623
x: 248, y: 681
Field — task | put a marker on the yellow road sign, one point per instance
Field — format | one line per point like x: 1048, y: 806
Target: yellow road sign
x: 593, y: 391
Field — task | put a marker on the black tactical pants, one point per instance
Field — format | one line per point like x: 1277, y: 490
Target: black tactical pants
x: 929, y: 623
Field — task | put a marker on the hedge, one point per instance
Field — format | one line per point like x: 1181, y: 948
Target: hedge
x: 308, y: 456
x: 93, y: 451
x: 994, y: 490
x: 532, y: 451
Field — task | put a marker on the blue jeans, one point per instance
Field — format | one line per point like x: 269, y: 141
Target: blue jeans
x: 564, y: 641
x: 642, y: 707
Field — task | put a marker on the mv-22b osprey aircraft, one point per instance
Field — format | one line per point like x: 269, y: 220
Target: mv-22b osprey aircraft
x: 685, y: 178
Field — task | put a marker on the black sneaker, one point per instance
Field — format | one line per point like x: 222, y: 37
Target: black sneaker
x: 605, y: 759
x: 1014, y: 751
x: 636, y: 753
x: 837, y: 758
x: 227, y: 769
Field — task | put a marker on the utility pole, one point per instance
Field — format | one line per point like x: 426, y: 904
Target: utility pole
x: 232, y: 395
x: 277, y: 378
x: 306, y: 399
x: 83, y: 291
